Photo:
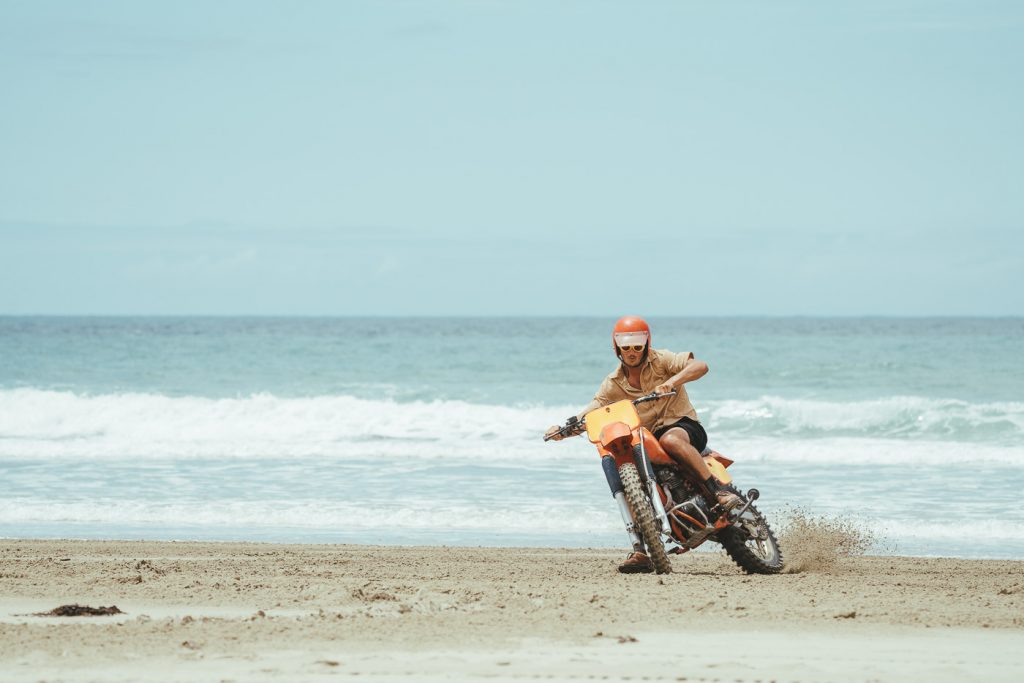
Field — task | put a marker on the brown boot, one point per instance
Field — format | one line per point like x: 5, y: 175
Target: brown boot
x: 637, y: 563
x: 727, y: 499
x: 716, y: 494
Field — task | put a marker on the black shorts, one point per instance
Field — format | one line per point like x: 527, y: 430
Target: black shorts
x: 698, y: 437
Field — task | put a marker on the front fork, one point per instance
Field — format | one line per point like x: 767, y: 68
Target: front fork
x: 646, y: 471
x: 611, y: 474
x: 643, y: 465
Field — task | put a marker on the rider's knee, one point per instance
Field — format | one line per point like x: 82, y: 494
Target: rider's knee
x: 674, y: 438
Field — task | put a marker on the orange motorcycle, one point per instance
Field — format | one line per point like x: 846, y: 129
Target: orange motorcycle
x: 660, y: 505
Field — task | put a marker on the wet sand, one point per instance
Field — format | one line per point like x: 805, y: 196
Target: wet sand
x: 254, y: 612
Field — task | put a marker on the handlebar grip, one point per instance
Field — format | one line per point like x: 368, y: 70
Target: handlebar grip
x: 573, y: 426
x: 653, y: 397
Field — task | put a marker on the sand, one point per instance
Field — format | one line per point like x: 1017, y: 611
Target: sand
x: 267, y: 612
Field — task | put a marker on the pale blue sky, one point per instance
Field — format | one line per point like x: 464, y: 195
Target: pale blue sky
x: 677, y: 158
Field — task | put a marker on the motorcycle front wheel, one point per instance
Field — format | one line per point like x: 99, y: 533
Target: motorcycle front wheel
x: 751, y: 544
x: 643, y: 516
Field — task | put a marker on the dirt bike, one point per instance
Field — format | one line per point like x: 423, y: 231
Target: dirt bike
x: 660, y: 505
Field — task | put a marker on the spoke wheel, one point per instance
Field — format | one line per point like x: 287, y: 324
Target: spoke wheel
x: 753, y: 546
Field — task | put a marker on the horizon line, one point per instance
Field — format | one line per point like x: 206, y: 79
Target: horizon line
x: 388, y: 316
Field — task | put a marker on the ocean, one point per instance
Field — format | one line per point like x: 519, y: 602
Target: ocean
x: 428, y: 430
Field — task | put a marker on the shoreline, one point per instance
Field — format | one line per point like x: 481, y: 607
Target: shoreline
x: 266, y: 611
x: 871, y: 544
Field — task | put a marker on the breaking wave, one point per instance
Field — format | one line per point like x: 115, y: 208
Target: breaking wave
x: 896, y: 417
x: 38, y: 424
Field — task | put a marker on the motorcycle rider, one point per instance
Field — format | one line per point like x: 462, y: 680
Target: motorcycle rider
x: 673, y: 422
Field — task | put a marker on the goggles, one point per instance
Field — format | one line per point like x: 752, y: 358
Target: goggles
x: 636, y: 340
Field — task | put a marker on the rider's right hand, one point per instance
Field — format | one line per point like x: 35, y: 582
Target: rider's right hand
x: 553, y: 433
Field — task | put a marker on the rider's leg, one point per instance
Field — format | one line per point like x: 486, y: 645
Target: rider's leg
x: 676, y: 443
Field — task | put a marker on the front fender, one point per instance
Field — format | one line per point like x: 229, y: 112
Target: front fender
x: 617, y: 438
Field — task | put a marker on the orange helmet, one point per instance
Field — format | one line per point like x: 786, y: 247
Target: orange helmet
x: 630, y: 331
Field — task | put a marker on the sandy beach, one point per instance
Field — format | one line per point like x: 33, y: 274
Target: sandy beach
x: 254, y: 612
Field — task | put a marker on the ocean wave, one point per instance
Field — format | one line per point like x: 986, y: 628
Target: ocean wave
x: 904, y: 417
x: 39, y: 424
x: 864, y: 451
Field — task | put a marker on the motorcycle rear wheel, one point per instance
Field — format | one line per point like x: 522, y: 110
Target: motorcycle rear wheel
x: 754, y: 548
x: 643, y: 515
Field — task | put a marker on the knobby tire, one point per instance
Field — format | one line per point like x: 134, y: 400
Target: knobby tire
x: 643, y: 516
x: 735, y: 543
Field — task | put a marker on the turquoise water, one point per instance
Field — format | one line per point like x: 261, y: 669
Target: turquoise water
x: 428, y: 430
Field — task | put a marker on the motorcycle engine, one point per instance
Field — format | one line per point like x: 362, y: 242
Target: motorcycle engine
x: 683, y: 497
x: 678, y: 485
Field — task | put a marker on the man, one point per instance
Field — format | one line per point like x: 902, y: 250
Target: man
x: 673, y: 421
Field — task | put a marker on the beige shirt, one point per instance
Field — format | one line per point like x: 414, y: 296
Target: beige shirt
x: 659, y: 366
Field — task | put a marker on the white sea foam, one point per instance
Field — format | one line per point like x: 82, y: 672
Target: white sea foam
x: 864, y: 451
x: 954, y: 532
x: 37, y: 423
x: 547, y: 517
x: 893, y: 417
x: 566, y: 521
x: 40, y: 424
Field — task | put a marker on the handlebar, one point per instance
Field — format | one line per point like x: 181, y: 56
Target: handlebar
x: 574, y: 425
x: 653, y: 396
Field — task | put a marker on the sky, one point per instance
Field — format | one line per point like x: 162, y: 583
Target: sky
x: 512, y: 158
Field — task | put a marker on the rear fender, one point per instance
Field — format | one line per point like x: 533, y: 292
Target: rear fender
x: 720, y: 458
x: 718, y: 469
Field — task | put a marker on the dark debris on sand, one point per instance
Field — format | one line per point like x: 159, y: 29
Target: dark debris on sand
x: 80, y: 611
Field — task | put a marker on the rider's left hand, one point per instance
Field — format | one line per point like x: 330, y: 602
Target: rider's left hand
x: 664, y: 388
x: 553, y: 434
